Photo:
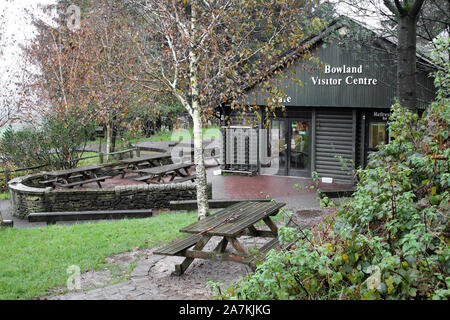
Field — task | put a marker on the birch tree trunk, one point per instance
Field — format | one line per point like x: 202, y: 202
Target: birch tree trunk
x: 201, y: 182
x: 109, y: 130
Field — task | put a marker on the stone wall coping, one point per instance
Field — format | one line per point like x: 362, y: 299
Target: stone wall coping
x: 27, y: 196
x: 18, y: 185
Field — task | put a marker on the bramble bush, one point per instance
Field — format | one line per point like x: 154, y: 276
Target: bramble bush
x: 391, y: 239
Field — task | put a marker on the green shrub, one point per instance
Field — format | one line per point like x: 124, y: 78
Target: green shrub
x: 57, y: 142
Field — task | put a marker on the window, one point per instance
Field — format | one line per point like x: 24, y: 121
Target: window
x: 377, y: 134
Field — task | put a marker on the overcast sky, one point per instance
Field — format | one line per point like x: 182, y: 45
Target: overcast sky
x: 17, y: 25
x: 17, y: 29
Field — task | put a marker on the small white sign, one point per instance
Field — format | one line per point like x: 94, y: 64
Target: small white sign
x: 217, y: 172
x: 327, y: 180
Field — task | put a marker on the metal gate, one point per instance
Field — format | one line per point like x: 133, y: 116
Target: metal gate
x: 240, y: 149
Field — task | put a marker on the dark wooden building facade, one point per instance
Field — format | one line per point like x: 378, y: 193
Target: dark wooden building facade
x: 335, y: 113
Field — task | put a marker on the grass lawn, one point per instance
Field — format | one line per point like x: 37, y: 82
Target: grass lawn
x: 89, y: 161
x: 4, y: 195
x: 32, y: 261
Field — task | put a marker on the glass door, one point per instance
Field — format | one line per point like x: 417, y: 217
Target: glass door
x: 282, y: 135
x: 294, y: 141
x: 299, y: 153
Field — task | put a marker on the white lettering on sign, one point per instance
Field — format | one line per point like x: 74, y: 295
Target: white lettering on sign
x: 343, y: 69
x: 287, y: 99
x: 349, y: 80
x: 383, y: 115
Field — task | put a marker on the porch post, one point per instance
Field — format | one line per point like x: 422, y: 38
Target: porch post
x: 313, y: 141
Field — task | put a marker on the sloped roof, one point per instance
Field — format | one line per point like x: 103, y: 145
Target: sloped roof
x: 337, y: 23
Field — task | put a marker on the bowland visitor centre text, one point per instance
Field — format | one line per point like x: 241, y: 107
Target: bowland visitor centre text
x: 334, y: 112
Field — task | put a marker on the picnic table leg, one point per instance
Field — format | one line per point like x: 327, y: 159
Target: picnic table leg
x: 123, y: 172
x: 237, y: 245
x: 181, y: 268
x: 187, y: 172
x: 271, y: 225
x: 174, y: 174
x: 222, y: 246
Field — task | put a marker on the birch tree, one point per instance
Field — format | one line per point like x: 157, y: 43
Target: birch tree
x: 203, y: 52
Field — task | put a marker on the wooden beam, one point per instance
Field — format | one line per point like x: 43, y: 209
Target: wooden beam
x: 215, y: 256
x: 271, y: 225
x: 181, y: 268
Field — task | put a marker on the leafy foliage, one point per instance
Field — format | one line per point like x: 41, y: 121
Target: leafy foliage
x: 390, y: 241
x: 58, y: 143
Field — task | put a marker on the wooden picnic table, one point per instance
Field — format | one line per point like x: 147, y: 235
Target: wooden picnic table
x: 229, y: 224
x: 88, y: 174
x: 157, y: 174
x: 151, y: 160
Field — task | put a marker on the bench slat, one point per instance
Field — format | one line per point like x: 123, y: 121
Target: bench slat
x: 175, y: 247
x: 272, y: 244
x: 72, y: 184
x: 213, y: 203
x: 188, y: 178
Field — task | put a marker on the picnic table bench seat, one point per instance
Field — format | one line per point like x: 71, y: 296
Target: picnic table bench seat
x: 52, y: 217
x: 80, y: 183
x: 178, y: 246
x: 48, y: 181
x: 213, y: 203
x: 157, y: 174
x: 192, y: 177
x: 73, y: 177
x: 262, y: 252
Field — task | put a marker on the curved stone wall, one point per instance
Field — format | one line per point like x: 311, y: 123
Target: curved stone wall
x: 27, y: 197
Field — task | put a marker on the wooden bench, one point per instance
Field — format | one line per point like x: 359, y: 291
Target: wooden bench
x: 183, y: 179
x: 48, y: 181
x: 188, y: 178
x: 143, y: 178
x: 54, y: 180
x: 177, y: 247
x: 80, y: 183
x: 262, y: 252
x: 52, y: 217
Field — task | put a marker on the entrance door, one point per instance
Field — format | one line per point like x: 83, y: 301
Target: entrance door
x: 294, y: 146
x: 282, y: 139
x: 299, y: 151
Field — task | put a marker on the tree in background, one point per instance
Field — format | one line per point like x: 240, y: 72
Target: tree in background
x: 78, y: 66
x: 204, y: 52
x: 410, y: 24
